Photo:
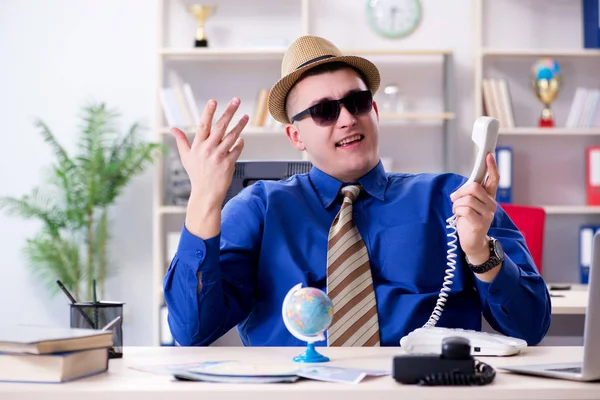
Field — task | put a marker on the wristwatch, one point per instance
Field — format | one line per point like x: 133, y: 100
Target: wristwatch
x: 496, y: 257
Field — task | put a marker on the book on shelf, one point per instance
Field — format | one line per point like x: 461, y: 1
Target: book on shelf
x: 586, y: 238
x: 591, y: 23
x: 585, y: 109
x: 261, y: 117
x: 497, y: 101
x: 592, y: 176
x: 179, y: 105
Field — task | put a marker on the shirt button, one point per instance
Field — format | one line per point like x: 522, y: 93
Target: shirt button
x: 355, y: 215
x: 199, y: 253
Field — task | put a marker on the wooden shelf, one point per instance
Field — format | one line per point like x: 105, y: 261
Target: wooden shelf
x: 277, y: 53
x: 572, y: 209
x: 219, y: 53
x: 549, y: 131
x: 248, y: 130
x: 384, y: 118
x: 491, y: 52
x: 398, y: 52
x: 415, y: 116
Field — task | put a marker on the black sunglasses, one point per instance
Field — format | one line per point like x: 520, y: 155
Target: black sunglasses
x: 327, y: 112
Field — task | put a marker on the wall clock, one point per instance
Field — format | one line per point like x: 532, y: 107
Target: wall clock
x: 394, y: 18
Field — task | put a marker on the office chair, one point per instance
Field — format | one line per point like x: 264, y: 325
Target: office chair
x: 530, y: 220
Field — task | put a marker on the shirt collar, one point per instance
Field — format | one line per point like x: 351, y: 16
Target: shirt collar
x: 328, y: 187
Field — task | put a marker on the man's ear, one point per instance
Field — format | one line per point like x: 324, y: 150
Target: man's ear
x: 376, y: 108
x: 294, y: 136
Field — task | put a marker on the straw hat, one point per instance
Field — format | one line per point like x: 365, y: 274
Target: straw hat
x: 305, y: 53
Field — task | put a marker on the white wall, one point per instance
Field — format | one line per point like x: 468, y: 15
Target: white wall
x: 55, y: 55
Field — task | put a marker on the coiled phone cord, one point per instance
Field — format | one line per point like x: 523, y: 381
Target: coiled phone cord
x: 451, y: 256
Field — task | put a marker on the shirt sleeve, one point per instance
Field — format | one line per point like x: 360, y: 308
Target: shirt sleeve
x: 517, y: 301
x: 209, y: 284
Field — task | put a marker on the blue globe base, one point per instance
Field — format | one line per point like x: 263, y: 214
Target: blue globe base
x: 311, y: 355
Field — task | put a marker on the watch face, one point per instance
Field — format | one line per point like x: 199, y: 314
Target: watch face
x: 498, y: 249
x: 394, y: 18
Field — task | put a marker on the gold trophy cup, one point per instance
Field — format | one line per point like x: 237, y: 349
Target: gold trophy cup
x: 201, y: 13
x: 546, y: 79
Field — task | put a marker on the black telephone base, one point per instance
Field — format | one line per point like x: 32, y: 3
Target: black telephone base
x: 413, y: 368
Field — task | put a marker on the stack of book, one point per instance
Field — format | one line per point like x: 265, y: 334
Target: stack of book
x: 52, y: 355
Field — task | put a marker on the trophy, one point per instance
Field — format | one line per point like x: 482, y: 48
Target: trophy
x: 546, y: 78
x: 201, y: 13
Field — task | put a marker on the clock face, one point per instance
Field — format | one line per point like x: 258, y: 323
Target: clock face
x: 394, y: 18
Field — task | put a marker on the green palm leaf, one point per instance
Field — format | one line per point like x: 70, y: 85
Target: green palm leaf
x: 73, y: 243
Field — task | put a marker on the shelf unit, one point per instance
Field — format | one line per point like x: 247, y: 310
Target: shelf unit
x: 174, y: 52
x: 552, y: 165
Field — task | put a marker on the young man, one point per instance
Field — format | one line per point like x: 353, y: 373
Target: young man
x: 378, y: 247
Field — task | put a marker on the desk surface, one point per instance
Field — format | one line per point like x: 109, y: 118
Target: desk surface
x: 123, y: 382
x: 573, y: 302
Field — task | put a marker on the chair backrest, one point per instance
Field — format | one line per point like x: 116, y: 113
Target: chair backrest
x: 530, y: 220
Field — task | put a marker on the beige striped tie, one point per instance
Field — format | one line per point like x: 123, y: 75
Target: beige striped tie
x: 349, y: 281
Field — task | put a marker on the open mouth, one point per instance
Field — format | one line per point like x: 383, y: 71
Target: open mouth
x: 350, y: 141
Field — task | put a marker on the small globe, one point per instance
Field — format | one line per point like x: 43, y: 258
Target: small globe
x: 307, y: 313
x: 545, y: 68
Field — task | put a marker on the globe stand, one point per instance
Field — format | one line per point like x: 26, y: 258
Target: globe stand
x: 311, y: 355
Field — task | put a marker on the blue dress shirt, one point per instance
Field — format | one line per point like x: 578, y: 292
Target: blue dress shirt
x: 274, y: 236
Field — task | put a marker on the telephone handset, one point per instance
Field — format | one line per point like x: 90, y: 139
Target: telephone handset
x: 485, y: 136
x: 429, y: 338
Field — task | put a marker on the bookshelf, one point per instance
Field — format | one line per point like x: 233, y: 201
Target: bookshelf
x: 549, y: 164
x: 242, y: 61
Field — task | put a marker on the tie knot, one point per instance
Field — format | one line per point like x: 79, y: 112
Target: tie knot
x: 351, y: 191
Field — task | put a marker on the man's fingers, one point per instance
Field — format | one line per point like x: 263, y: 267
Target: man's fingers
x: 472, y: 189
x: 475, y: 219
x: 220, y: 127
x: 236, y: 150
x: 469, y: 202
x: 232, y: 136
x: 205, y: 122
x: 493, y: 179
x: 183, y: 145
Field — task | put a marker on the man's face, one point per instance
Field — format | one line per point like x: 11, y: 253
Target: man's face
x: 347, y: 148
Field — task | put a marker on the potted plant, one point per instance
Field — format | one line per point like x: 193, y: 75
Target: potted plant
x: 74, y: 206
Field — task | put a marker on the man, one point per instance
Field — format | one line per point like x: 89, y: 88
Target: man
x: 376, y: 242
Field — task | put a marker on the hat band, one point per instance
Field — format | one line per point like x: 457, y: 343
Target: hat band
x: 314, y: 60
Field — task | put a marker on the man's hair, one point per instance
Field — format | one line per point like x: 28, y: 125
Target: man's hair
x: 318, y: 70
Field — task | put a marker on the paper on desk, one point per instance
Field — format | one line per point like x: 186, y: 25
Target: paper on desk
x: 338, y: 374
x: 195, y: 376
x: 240, y: 372
x: 234, y: 368
x: 173, y: 368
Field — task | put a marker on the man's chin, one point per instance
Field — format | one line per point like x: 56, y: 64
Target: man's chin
x: 357, y: 170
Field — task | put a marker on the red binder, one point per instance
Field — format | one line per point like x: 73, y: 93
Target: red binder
x: 592, y: 176
x: 530, y: 221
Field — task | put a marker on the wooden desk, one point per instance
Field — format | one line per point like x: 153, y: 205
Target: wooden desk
x: 574, y: 300
x: 122, y: 382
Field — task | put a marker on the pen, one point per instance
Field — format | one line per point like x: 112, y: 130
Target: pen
x: 73, y: 301
x: 111, y: 323
x: 64, y: 289
x: 95, y: 301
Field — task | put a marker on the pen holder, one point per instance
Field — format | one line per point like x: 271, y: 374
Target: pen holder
x: 90, y: 315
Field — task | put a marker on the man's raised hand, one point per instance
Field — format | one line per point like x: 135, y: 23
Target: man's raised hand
x: 210, y: 162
